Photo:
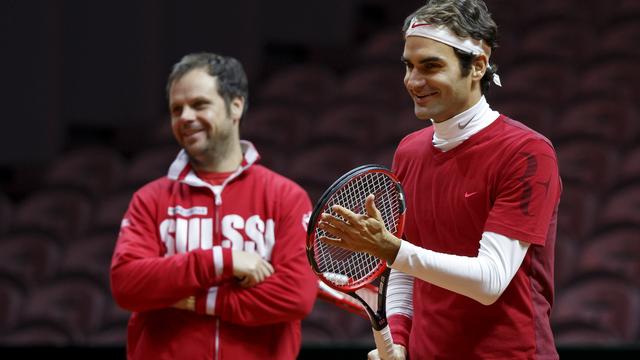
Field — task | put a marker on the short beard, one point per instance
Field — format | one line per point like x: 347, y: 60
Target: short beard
x: 215, y: 154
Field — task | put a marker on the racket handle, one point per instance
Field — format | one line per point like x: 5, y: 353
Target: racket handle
x: 384, y: 343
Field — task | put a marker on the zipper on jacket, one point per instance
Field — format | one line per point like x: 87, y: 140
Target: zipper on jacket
x: 217, y: 239
x: 217, y: 235
x: 217, y: 339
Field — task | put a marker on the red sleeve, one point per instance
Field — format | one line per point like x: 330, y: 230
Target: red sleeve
x: 141, y: 277
x: 290, y: 292
x: 527, y: 194
x: 400, y: 328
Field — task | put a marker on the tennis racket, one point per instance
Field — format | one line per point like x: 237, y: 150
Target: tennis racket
x: 368, y: 293
x: 349, y: 271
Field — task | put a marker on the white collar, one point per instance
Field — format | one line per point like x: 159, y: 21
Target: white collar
x: 453, y: 132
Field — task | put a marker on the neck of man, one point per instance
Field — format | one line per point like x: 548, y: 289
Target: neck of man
x: 225, y: 157
x: 454, y: 131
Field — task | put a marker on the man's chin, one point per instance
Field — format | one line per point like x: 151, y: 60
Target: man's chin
x: 193, y: 151
x: 421, y: 113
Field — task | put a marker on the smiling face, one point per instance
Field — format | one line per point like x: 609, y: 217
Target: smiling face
x: 201, y: 121
x: 434, y: 81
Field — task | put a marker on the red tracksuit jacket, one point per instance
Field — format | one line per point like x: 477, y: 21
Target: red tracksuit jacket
x: 175, y: 241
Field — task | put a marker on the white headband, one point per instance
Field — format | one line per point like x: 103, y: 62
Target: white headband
x: 444, y: 35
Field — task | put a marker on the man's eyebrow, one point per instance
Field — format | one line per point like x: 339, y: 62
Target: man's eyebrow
x: 201, y: 99
x: 423, y: 61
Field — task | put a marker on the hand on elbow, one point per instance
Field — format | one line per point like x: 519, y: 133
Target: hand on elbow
x: 250, y: 268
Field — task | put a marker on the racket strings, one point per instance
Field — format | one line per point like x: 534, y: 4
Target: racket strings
x: 346, y: 268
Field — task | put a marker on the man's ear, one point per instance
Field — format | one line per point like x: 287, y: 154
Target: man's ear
x: 479, y: 67
x: 237, y: 107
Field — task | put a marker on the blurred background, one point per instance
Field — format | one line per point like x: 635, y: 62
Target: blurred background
x: 86, y: 124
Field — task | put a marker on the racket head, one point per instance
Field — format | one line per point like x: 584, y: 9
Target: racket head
x: 343, y: 269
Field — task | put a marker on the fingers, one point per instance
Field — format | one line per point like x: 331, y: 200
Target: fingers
x: 347, y: 214
x: 373, y: 355
x: 269, y: 267
x: 333, y: 226
x: 250, y: 268
x: 399, y: 353
x: 188, y: 303
x: 247, y: 282
x: 262, y: 271
x: 372, y: 211
x: 341, y: 227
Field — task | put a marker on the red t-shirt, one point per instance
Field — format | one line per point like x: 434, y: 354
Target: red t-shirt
x: 214, y: 178
x: 504, y: 179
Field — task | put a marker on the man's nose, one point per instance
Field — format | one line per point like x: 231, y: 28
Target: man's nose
x: 187, y: 114
x: 414, y: 80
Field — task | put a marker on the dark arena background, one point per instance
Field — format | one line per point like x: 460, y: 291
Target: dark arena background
x: 85, y: 123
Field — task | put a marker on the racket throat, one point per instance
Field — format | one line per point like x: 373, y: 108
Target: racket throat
x: 378, y: 322
x: 378, y: 318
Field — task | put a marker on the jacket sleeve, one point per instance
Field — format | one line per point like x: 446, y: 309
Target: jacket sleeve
x: 288, y: 294
x: 142, y: 278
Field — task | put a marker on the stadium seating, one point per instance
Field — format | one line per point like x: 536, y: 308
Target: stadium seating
x: 578, y: 210
x: 6, y: 213
x: 375, y: 84
x: 90, y: 257
x: 304, y: 85
x: 605, y: 77
x: 12, y: 295
x: 358, y: 125
x: 630, y: 170
x: 621, y: 207
x: 616, y: 38
x: 605, y: 119
x: 29, y: 258
x: 96, y: 170
x: 327, y: 323
x: 559, y: 40
x: 593, y: 163
x: 149, y: 165
x: 601, y: 301
x: 616, y: 250
x: 65, y: 214
x: 383, y: 47
x: 110, y: 211
x: 75, y: 303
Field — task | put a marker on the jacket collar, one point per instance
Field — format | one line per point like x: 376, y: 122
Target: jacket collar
x: 181, y: 170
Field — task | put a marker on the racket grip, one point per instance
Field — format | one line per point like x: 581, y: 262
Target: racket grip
x: 384, y: 342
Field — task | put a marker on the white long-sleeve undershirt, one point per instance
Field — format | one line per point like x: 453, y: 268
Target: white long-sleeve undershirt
x: 482, y: 278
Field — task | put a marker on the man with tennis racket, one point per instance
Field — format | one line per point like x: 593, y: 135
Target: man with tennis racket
x: 473, y: 274
x: 210, y: 258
